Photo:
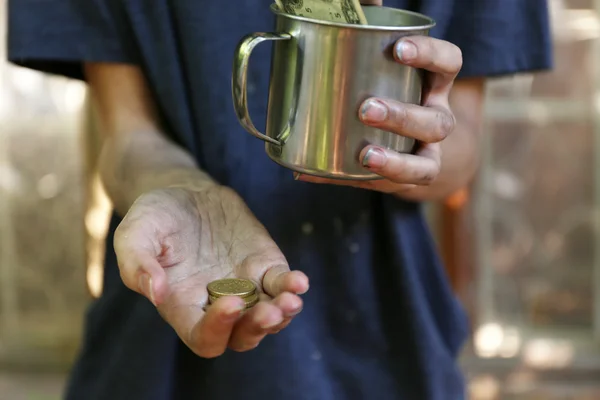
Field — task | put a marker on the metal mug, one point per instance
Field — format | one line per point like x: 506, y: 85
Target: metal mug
x: 321, y: 72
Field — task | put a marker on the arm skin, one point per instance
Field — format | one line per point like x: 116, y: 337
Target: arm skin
x: 137, y: 157
x: 175, y: 237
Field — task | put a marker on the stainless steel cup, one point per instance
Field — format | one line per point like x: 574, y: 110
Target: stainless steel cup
x: 321, y: 72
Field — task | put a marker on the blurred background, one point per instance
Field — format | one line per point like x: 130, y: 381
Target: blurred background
x: 521, y: 245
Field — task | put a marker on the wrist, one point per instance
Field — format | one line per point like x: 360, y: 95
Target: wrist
x: 124, y: 192
x: 139, y: 162
x: 188, y: 178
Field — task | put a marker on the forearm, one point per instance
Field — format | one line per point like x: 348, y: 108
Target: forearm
x: 137, y: 156
x: 134, y: 163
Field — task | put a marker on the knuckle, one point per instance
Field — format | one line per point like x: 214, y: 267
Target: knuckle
x: 276, y: 277
x: 399, y: 174
x: 445, y: 125
x: 448, y: 57
x: 456, y: 56
x: 427, y: 179
x: 423, y: 42
x: 431, y: 53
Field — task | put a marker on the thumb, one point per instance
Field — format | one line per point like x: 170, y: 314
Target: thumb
x: 139, y: 267
x: 279, y: 279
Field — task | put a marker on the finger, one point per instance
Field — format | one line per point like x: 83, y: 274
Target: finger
x: 371, y: 2
x: 438, y: 56
x: 403, y: 171
x: 420, y: 169
x: 247, y: 335
x: 138, y: 266
x: 254, y: 326
x: 290, y: 305
x: 434, y: 55
x: 280, y: 327
x: 208, y: 338
x: 425, y: 124
x: 151, y: 279
x: 380, y: 185
x: 266, y: 257
x: 279, y: 279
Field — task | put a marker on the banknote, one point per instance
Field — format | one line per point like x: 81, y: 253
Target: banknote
x: 346, y: 11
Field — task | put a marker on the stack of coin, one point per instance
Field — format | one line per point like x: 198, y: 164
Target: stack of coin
x: 233, y: 287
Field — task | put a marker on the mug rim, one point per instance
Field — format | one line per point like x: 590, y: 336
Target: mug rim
x: 275, y: 9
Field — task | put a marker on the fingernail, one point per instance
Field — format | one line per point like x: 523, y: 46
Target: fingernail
x: 145, y: 285
x: 375, y: 158
x: 406, y: 51
x: 374, y: 111
x: 305, y: 290
x: 234, y: 312
x: 271, y: 323
x: 295, y: 312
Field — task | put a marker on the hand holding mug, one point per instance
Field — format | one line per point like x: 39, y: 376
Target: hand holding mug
x: 428, y: 123
x: 323, y: 72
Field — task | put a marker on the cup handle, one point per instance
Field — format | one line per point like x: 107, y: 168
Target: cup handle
x: 239, y: 79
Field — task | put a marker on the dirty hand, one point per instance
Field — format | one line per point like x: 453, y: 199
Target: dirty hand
x: 429, y: 123
x: 174, y: 241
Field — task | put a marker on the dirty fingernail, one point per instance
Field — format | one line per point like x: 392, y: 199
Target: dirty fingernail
x: 234, y: 312
x: 374, y: 111
x: 271, y: 322
x: 304, y: 290
x: 295, y: 312
x: 375, y: 158
x: 145, y: 285
x: 406, y: 51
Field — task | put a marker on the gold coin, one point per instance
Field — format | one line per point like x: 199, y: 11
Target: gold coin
x: 231, y: 287
x: 250, y: 301
x: 242, y: 288
x: 246, y: 299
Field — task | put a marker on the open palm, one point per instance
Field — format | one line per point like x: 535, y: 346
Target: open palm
x: 174, y: 241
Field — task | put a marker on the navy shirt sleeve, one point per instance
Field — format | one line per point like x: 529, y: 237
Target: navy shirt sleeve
x: 56, y: 36
x: 499, y: 37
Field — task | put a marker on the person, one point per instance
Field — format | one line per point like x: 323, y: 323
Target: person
x: 196, y: 199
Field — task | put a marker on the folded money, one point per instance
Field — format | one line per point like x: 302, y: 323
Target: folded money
x: 345, y: 11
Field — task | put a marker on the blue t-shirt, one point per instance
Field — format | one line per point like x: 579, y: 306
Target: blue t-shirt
x: 380, y: 320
